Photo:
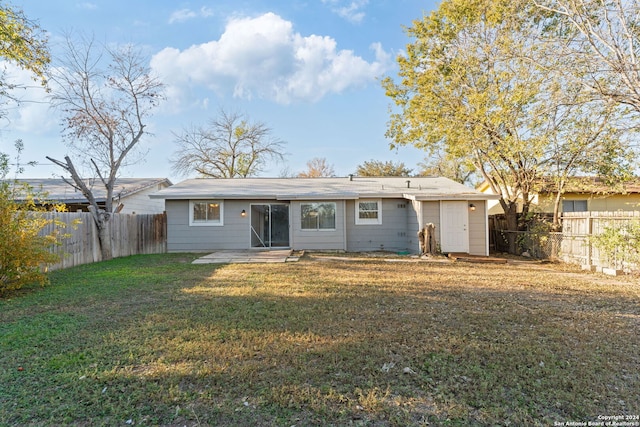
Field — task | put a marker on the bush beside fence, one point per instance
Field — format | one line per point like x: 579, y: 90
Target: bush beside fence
x: 131, y: 234
x: 578, y: 229
x: 540, y: 245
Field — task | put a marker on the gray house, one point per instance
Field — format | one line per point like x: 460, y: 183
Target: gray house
x: 349, y: 214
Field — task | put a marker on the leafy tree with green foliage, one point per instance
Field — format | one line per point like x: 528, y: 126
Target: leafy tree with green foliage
x: 24, y: 43
x: 590, y: 140
x: 468, y: 88
x: 24, y: 241
x: 23, y: 250
x: 380, y: 168
x: 481, y: 83
x: 459, y: 170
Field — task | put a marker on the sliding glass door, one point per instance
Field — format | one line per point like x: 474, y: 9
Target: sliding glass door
x: 269, y: 225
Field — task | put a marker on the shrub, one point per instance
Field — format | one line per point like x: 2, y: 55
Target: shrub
x: 619, y: 244
x: 24, y: 242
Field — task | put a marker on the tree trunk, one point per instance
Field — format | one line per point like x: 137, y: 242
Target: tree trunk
x: 427, y: 238
x: 101, y: 218
x: 511, y: 215
x: 104, y: 237
x: 556, y: 226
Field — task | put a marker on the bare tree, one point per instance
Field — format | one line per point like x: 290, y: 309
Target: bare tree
x: 599, y: 44
x: 228, y: 147
x: 604, y: 45
x: 105, y: 107
x: 318, y: 168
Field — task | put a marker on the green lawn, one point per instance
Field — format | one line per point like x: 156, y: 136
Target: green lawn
x: 154, y: 340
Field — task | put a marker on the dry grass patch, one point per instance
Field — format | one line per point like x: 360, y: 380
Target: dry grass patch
x: 153, y: 340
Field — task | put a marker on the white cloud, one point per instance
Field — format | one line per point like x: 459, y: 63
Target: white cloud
x: 264, y: 57
x: 33, y: 113
x: 184, y: 15
x: 351, y: 11
x: 87, y: 5
x: 205, y: 12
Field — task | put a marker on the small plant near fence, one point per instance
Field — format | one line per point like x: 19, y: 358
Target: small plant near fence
x: 619, y: 244
x: 24, y: 250
x: 538, y: 241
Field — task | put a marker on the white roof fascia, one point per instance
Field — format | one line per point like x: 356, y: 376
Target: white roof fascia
x: 316, y: 196
x: 432, y: 197
x: 282, y: 197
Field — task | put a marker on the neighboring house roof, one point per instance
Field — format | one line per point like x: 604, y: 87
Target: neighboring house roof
x: 594, y: 185
x: 413, y: 188
x: 602, y: 195
x: 582, y: 185
x: 58, y: 190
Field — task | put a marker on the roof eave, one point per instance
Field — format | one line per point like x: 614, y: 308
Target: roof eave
x: 212, y: 197
x: 451, y: 197
x: 154, y: 182
x: 315, y: 196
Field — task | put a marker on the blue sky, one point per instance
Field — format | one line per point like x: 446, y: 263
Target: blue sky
x: 245, y: 56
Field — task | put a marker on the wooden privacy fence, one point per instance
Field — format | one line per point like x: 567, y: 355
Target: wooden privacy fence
x: 577, y: 229
x: 574, y: 244
x: 131, y: 234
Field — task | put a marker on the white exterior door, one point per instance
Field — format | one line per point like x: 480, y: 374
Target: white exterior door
x: 454, y: 226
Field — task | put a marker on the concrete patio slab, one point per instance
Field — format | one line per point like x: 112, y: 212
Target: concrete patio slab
x: 253, y: 256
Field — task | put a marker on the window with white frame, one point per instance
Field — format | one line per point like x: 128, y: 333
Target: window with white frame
x: 368, y: 212
x: 205, y: 212
x: 318, y: 216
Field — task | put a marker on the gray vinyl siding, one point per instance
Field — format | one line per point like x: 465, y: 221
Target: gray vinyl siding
x: 414, y: 211
x: 478, y: 230
x: 401, y: 220
x: 234, y: 234
x: 324, y: 240
x: 392, y: 234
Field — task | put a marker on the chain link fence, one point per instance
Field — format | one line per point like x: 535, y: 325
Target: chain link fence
x: 539, y: 245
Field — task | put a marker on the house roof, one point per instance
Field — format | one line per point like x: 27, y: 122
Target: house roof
x: 582, y: 185
x: 413, y: 188
x: 58, y: 190
x: 594, y: 185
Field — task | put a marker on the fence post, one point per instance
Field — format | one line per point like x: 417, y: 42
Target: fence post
x: 589, y: 243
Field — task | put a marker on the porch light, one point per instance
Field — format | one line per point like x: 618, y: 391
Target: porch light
x: 243, y: 213
x: 472, y: 207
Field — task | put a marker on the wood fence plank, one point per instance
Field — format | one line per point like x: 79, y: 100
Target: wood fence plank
x: 131, y: 234
x: 577, y: 229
